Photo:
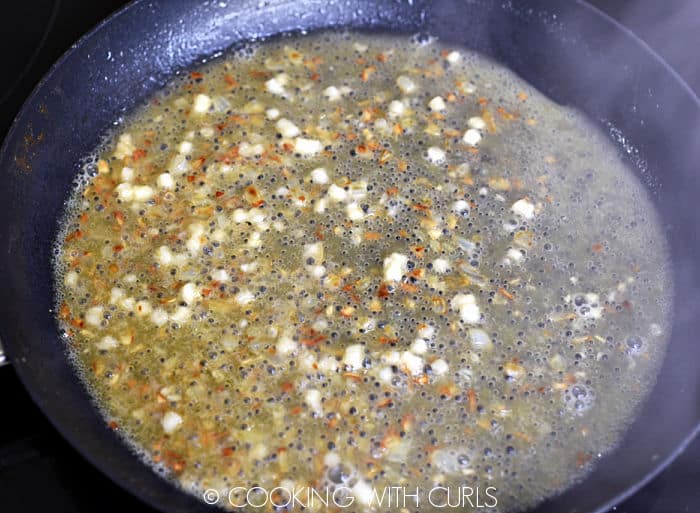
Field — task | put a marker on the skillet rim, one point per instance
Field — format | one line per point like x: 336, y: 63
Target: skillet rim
x: 74, y: 441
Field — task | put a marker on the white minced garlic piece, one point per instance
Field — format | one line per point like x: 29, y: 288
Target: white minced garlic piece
x: 453, y: 57
x: 71, y: 279
x: 189, y: 293
x: 319, y: 176
x: 220, y: 275
x: 419, y: 346
x: 247, y: 150
x: 107, y: 343
x: 287, y: 128
x: 244, y: 297
x: 386, y: 374
x: 315, y: 251
x: 239, y: 216
x: 337, y: 193
x: 286, y: 345
x: 312, y: 397
x: 406, y: 85
x: 476, y: 122
x: 127, y: 174
x: 159, y: 317
x: 331, y: 93
x: 436, y: 155
x: 125, y: 146
x: 524, y: 208
x: 437, y: 104
x: 201, y: 103
x: 181, y: 315
x: 514, y: 254
x: 354, y: 211
x: 412, y: 363
x: 441, y: 265
x: 466, y: 305
x: 479, y: 339
x: 128, y: 303
x: 396, y: 109
x: 249, y: 267
x: 307, y: 146
x: 439, y: 367
x: 125, y: 191
x: 194, y: 243
x: 328, y: 364
x: 395, y: 266
x: 94, y: 315
x: 472, y: 137
x: 165, y: 181
x: 164, y: 256
x: 460, y: 206
x: 186, y: 147
x: 276, y: 84
x: 170, y: 422
x: 426, y: 331
x: 143, y: 192
x: 363, y: 492
x: 320, y: 205
x: 255, y: 240
x: 272, y: 114
x: 115, y: 295
x: 354, y: 355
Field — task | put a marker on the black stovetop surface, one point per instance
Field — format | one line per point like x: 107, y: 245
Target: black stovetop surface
x: 39, y: 471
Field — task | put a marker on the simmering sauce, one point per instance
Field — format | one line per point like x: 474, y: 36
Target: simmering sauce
x: 363, y: 261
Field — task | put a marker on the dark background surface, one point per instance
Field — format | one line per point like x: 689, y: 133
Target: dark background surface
x: 39, y: 472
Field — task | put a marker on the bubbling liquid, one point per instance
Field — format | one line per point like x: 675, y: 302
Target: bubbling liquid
x: 363, y: 261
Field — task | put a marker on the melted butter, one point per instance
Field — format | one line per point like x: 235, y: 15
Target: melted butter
x: 359, y: 249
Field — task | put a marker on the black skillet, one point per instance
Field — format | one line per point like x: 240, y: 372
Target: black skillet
x: 569, y: 50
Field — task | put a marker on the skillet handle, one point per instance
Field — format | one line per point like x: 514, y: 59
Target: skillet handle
x: 3, y: 357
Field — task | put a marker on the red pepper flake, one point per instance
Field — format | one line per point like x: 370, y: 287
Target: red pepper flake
x: 473, y: 400
x: 582, y: 458
x: 367, y: 73
x: 319, y: 233
x: 386, y: 403
x: 230, y: 80
x: 353, y: 376
x: 383, y: 291
x: 138, y: 154
x: 287, y: 387
x: 64, y: 311
x: 195, y: 75
x: 226, y: 452
x: 191, y: 178
x: 218, y: 194
x: 113, y: 425
x: 77, y: 234
x: 118, y: 248
x: 503, y: 292
x: 258, y: 73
